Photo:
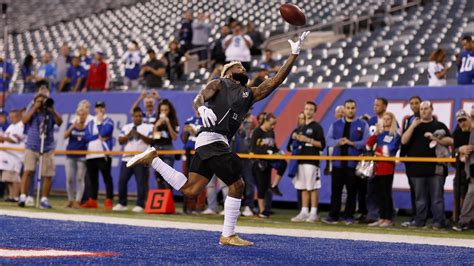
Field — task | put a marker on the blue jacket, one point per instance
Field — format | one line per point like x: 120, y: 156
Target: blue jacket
x: 106, y: 128
x: 359, y: 134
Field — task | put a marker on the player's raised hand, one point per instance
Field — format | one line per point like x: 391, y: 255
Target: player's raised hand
x: 207, y: 115
x: 296, y: 46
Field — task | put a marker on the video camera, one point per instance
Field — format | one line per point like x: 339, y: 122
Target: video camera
x: 47, y: 103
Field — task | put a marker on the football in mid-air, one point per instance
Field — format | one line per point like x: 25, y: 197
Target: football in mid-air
x: 292, y: 14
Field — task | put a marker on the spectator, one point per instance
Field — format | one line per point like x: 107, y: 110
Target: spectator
x: 294, y: 146
x: 186, y: 32
x: 256, y: 37
x: 62, y: 63
x: 28, y: 74
x: 263, y: 142
x: 386, y: 142
x: 242, y: 145
x: 86, y: 106
x: 136, y: 136
x: 259, y: 78
x: 153, y: 72
x: 428, y: 178
x: 308, y: 178
x: 191, y: 128
x: 86, y: 60
x: 338, y: 114
x: 201, y: 32
x: 12, y: 161
x: 213, y: 187
x: 466, y: 62
x: 218, y: 52
x: 132, y: 61
x: 76, y: 164
x: 97, y: 77
x: 6, y: 74
x: 47, y: 72
x: 460, y: 138
x: 173, y: 61
x: 437, y: 71
x: 40, y: 118
x: 4, y: 123
x: 149, y: 100
x: 415, y: 102
x: 269, y: 62
x: 466, y: 219
x: 376, y: 124
x: 75, y: 77
x: 165, y: 131
x: 347, y: 136
x: 99, y: 138
x: 237, y: 47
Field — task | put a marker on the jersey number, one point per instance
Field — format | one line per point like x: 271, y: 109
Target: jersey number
x: 467, y: 64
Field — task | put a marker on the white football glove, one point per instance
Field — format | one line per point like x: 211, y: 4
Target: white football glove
x: 207, y: 115
x: 296, y: 46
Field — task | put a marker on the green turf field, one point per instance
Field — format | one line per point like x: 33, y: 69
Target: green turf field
x: 281, y: 219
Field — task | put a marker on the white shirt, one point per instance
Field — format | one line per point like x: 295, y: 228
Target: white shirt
x: 135, y: 144
x: 237, y: 49
x: 433, y: 80
x: 12, y: 160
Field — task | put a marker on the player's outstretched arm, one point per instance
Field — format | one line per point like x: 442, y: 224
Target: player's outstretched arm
x: 207, y: 115
x: 269, y: 85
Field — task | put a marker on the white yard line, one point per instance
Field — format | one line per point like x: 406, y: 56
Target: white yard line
x: 387, y: 238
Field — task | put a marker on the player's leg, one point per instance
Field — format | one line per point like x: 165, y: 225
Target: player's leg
x: 199, y: 176
x: 228, y: 168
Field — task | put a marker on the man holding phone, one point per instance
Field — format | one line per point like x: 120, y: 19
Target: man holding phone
x: 136, y: 136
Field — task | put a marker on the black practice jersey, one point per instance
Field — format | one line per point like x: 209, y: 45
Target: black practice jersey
x: 230, y: 104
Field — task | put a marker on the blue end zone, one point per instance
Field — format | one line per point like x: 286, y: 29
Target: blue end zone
x: 141, y: 245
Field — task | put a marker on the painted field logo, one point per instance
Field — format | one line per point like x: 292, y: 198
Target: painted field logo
x: 27, y: 253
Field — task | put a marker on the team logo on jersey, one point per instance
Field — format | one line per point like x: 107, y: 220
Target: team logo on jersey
x: 309, y: 131
x: 245, y: 94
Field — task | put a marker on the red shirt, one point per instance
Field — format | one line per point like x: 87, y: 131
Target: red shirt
x: 97, y: 77
x: 381, y: 167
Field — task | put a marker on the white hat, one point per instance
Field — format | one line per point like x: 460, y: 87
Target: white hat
x: 229, y: 65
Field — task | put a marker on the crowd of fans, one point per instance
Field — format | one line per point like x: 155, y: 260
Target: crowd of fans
x: 80, y: 71
x: 368, y: 200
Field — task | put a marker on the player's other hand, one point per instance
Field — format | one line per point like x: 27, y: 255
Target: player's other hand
x: 207, y: 115
x: 296, y: 46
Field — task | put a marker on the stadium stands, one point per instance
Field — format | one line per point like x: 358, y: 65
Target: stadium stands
x: 360, y: 60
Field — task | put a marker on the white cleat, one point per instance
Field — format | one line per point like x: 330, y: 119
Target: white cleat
x: 145, y: 157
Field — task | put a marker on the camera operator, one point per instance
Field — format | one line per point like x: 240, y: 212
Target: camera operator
x: 41, y: 118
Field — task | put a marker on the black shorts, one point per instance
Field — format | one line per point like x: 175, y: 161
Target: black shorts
x: 217, y: 159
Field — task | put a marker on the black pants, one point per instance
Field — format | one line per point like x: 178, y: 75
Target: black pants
x: 103, y: 165
x: 343, y: 177
x: 142, y: 183
x: 263, y: 178
x: 361, y: 187
x: 383, y: 192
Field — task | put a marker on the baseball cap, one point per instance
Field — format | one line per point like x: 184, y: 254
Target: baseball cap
x: 461, y: 114
x: 100, y: 104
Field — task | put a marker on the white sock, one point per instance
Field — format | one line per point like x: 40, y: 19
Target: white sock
x: 231, y: 213
x: 23, y: 197
x: 173, y: 177
x: 305, y: 210
x: 314, y: 211
x: 43, y: 199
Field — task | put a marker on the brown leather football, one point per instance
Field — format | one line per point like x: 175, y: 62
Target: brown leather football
x: 292, y: 14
